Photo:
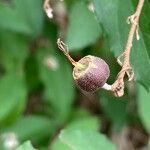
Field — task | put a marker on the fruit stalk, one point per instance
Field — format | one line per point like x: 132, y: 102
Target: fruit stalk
x: 118, y: 85
x: 107, y: 87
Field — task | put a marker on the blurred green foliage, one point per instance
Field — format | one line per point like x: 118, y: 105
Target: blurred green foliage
x: 39, y: 101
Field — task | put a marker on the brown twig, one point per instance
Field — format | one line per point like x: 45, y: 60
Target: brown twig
x: 48, y: 9
x: 118, y: 85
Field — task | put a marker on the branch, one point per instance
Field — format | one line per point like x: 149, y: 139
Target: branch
x: 48, y: 9
x: 118, y: 85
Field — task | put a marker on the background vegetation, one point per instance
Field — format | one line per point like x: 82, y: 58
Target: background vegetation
x: 39, y: 101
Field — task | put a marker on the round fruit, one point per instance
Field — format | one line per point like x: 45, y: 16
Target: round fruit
x: 92, y: 75
x: 90, y: 72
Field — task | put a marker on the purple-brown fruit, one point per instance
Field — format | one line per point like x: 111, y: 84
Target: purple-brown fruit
x: 90, y: 72
x: 92, y: 75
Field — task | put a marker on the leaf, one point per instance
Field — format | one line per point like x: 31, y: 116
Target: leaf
x: 58, y: 145
x: 58, y: 82
x: 83, y: 28
x: 26, y: 146
x: 13, y: 22
x: 18, y: 19
x: 79, y: 113
x: 12, y: 97
x: 143, y: 106
x: 33, y: 15
x: 81, y: 121
x: 14, y: 52
x: 145, y: 23
x: 85, y: 140
x: 35, y: 128
x: 87, y: 123
x: 109, y: 21
x: 117, y: 30
x: 114, y: 108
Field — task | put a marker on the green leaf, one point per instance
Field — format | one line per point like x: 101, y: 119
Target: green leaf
x: 117, y: 29
x: 81, y: 118
x: 18, y: 19
x: 35, y: 128
x: 79, y: 113
x: 145, y: 23
x: 26, y: 146
x: 143, y: 106
x: 85, y: 140
x: 58, y: 145
x: 114, y: 108
x: 12, y: 97
x: 107, y: 15
x: 14, y: 52
x: 13, y: 21
x: 84, y: 122
x: 33, y: 14
x: 88, y: 123
x: 83, y: 28
x: 58, y: 82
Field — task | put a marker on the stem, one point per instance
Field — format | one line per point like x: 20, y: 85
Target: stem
x: 107, y: 87
x: 48, y: 9
x: 64, y: 48
x: 118, y: 85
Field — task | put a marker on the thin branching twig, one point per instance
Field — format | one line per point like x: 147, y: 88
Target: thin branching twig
x: 48, y: 9
x: 118, y: 85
